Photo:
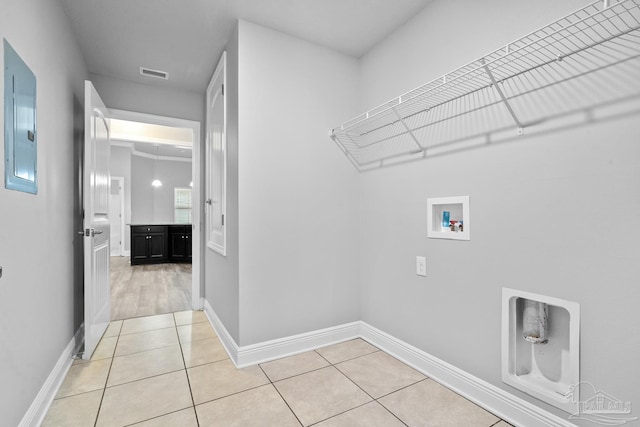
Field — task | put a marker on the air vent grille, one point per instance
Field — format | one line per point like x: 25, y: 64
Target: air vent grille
x: 154, y: 73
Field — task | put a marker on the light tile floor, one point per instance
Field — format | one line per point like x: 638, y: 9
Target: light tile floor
x: 171, y: 370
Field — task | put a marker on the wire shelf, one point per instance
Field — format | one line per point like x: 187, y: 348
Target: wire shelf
x: 590, y: 57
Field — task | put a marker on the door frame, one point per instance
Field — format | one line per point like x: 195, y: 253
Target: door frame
x: 197, y: 209
x: 120, y: 180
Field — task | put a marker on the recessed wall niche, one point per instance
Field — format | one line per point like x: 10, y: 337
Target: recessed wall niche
x: 448, y: 218
x: 540, y: 347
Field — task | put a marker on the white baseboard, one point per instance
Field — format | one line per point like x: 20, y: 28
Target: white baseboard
x: 275, y: 349
x: 40, y: 405
x: 224, y: 336
x: 511, y: 408
x: 249, y: 355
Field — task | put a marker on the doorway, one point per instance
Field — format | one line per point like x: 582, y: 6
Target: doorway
x: 166, y: 286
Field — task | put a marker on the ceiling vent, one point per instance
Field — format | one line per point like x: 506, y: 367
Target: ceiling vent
x: 154, y: 73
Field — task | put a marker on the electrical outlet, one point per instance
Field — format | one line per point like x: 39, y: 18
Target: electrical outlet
x: 421, y: 266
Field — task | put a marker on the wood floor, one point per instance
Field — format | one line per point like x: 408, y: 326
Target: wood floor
x: 145, y: 290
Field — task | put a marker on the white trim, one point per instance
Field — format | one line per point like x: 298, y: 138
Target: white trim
x: 249, y: 355
x: 151, y: 118
x: 40, y: 405
x: 134, y: 152
x: 503, y: 404
x: 221, y: 232
x: 196, y: 177
x: 224, y: 336
x: 275, y: 349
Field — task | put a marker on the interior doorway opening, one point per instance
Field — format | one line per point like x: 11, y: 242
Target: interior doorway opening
x: 159, y: 271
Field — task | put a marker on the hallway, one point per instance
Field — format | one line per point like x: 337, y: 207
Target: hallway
x: 171, y: 370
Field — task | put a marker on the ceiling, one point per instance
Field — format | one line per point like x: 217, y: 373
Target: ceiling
x: 164, y: 151
x: 186, y: 37
x: 152, y: 140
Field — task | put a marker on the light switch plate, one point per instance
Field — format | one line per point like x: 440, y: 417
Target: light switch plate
x: 421, y: 266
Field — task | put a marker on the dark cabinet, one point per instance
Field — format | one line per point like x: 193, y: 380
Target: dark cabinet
x: 180, y: 243
x: 148, y: 244
x: 160, y: 243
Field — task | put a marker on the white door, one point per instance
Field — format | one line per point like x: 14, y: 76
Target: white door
x: 216, y: 162
x: 96, y: 219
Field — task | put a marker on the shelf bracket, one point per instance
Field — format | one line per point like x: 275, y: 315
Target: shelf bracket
x: 422, y: 149
x: 504, y: 98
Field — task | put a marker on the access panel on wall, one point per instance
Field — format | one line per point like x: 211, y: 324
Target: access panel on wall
x: 20, y: 137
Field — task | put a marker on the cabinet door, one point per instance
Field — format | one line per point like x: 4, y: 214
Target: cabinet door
x: 138, y: 247
x: 157, y: 246
x: 177, y: 246
x: 187, y: 246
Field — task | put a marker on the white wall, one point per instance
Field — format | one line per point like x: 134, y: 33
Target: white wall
x: 546, y: 210
x: 125, y: 95
x: 155, y: 205
x: 221, y: 273
x: 37, y: 235
x: 142, y: 200
x: 172, y: 174
x: 298, y: 239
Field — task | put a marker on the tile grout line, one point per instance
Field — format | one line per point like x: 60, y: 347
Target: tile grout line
x: 186, y: 372
x: 280, y: 394
x: 298, y: 375
x: 404, y: 387
x: 106, y: 380
x: 154, y: 418
x: 330, y: 364
x: 337, y: 415
x: 388, y: 394
x: 373, y: 398
x: 145, y: 378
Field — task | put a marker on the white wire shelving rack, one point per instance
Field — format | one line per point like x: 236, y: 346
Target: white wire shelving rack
x: 590, y: 57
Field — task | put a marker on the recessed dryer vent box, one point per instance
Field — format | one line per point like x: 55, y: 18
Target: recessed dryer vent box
x: 448, y: 218
x: 540, y: 347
